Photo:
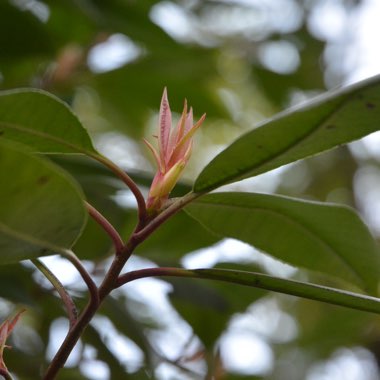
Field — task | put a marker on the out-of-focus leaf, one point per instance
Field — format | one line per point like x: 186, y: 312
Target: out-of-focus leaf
x: 330, y: 120
x: 208, y: 307
x: 90, y: 173
x: 99, y: 186
x: 41, y: 121
x: 327, y: 238
x: 276, y: 86
x: 85, y: 170
x: 134, y: 20
x: 340, y: 324
x: 42, y: 209
x: 15, y: 284
x: 117, y: 370
x: 68, y: 373
x: 16, y: 41
x: 178, y: 236
x: 126, y: 324
x: 82, y: 18
x: 129, y: 93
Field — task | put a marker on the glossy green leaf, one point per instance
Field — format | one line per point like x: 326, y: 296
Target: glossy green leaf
x: 42, y: 210
x: 330, y: 120
x: 326, y: 238
x: 296, y: 288
x: 305, y: 290
x: 43, y: 122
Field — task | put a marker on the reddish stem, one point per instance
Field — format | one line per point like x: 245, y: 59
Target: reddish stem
x: 76, y: 331
x: 6, y: 375
x: 111, y: 281
x: 107, y: 227
x: 161, y: 218
x: 153, y: 272
x: 93, y: 289
x: 131, y: 185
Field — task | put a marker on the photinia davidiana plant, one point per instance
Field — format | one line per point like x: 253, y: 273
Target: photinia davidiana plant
x: 174, y: 150
x: 296, y: 231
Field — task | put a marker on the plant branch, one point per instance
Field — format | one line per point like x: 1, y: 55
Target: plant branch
x: 110, y: 281
x: 107, y: 227
x: 264, y: 281
x: 129, y: 182
x: 66, y: 298
x: 164, y: 215
x: 6, y: 375
x: 70, y: 341
x: 105, y: 288
x: 93, y: 289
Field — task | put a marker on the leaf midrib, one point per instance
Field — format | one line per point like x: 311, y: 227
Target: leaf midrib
x: 46, y: 136
x: 308, y: 230
x: 29, y: 238
x: 242, y: 173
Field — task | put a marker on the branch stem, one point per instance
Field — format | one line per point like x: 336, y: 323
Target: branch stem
x: 110, y: 281
x: 5, y: 374
x: 105, y: 288
x: 145, y: 232
x: 107, y: 227
x: 71, y: 309
x: 93, y: 289
x: 129, y: 182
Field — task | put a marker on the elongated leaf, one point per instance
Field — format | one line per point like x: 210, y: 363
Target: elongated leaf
x: 331, y: 120
x: 41, y: 121
x: 295, y: 288
x: 41, y: 211
x: 263, y: 281
x: 323, y: 237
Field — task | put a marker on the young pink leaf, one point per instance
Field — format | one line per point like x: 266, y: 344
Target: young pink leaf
x: 174, y: 150
x: 5, y: 330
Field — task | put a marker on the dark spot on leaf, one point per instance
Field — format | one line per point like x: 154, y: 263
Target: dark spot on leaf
x: 330, y: 126
x: 44, y: 251
x: 42, y: 180
x: 370, y: 105
x: 1, y: 133
x: 259, y: 146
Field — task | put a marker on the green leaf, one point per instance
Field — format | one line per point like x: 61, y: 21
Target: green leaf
x: 42, y: 210
x: 326, y: 238
x: 43, y: 122
x: 330, y: 120
x: 295, y: 288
